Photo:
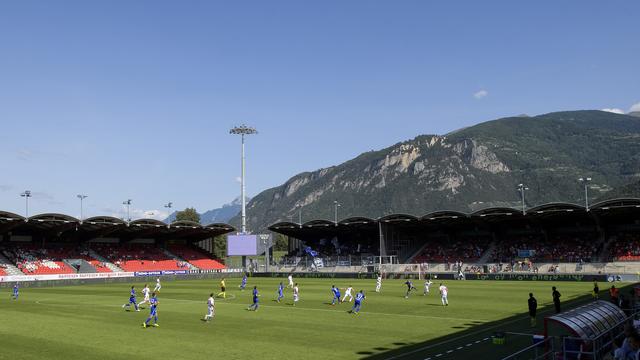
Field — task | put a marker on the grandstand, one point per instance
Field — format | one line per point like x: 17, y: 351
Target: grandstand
x: 550, y: 238
x: 60, y: 244
x: 558, y: 237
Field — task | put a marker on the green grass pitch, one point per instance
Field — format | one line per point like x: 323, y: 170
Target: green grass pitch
x: 87, y: 322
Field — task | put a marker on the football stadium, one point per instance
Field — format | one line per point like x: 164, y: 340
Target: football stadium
x: 261, y: 180
x: 72, y: 275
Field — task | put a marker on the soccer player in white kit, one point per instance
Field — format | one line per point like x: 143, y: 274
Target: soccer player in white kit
x: 296, y: 294
x: 444, y: 292
x: 211, y: 307
x: 290, y: 281
x: 427, y: 286
x: 158, y: 286
x: 379, y: 283
x: 348, y: 293
x: 145, y: 291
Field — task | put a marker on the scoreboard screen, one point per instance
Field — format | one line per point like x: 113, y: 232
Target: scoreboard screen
x: 242, y: 245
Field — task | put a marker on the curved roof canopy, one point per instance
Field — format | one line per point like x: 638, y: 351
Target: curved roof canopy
x: 555, y: 207
x: 147, y: 222
x: 589, y: 321
x: 104, y: 220
x: 616, y: 203
x: 53, y: 217
x: 284, y: 225
x: 53, y: 223
x: 497, y: 211
x: 356, y: 220
x: 220, y: 227
x: 318, y: 223
x: 9, y: 216
x: 398, y: 218
x: 437, y: 215
x: 64, y: 227
x: 186, y: 224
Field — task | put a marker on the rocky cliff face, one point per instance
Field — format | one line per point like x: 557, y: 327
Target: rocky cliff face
x: 466, y: 170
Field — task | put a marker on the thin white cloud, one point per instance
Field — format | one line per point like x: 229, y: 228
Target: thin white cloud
x: 635, y: 107
x: 42, y: 195
x: 480, y: 94
x: 614, y: 110
x: 140, y: 214
x: 24, y: 154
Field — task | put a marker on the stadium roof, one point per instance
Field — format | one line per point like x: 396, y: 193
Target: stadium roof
x: 64, y: 228
x: 571, y: 214
x: 588, y: 321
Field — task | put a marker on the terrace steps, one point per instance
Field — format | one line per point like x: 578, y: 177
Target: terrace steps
x: 113, y: 267
x: 9, y: 267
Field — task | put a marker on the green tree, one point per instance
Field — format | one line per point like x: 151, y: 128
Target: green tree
x: 188, y: 214
x: 220, y: 246
x: 281, y: 243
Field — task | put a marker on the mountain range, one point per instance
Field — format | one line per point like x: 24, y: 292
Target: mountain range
x: 467, y: 170
x: 220, y: 215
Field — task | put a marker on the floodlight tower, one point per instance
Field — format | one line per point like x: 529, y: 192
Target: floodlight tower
x: 26, y: 195
x: 128, y: 205
x: 168, y: 206
x: 336, y: 205
x: 586, y: 181
x: 243, y: 130
x: 81, y: 197
x: 522, y: 189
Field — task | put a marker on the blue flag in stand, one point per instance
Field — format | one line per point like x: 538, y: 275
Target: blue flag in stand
x: 311, y: 252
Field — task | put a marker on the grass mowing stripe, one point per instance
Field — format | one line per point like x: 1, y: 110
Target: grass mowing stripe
x: 389, y: 326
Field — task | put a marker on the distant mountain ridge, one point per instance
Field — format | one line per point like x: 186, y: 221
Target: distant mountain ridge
x: 466, y: 170
x: 220, y: 215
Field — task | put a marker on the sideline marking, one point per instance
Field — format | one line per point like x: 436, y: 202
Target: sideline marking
x: 470, y: 334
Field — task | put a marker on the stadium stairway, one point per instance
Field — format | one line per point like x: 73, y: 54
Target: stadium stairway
x: 81, y: 266
x: 9, y: 268
x: 178, y: 258
x: 417, y: 251
x: 487, y: 256
x: 113, y: 267
x: 604, y: 254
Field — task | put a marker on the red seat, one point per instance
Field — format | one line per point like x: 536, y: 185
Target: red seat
x: 196, y: 257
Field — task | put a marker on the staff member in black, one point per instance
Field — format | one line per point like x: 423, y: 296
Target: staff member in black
x: 533, y: 309
x: 556, y: 299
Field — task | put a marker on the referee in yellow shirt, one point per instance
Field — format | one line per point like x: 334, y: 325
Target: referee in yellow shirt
x: 223, y: 289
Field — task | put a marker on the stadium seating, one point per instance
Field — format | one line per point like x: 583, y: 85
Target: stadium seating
x: 625, y: 247
x: 35, y: 260
x: 555, y: 249
x: 138, y: 257
x: 99, y: 265
x: 466, y: 250
x: 196, y: 257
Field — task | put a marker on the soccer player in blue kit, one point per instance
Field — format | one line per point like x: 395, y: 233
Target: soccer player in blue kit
x: 357, y: 303
x: 244, y: 282
x: 153, y: 312
x: 280, y: 292
x: 336, y: 295
x: 255, y: 304
x: 132, y: 299
x: 16, y: 290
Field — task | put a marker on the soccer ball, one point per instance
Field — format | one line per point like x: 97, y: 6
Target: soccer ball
x: 435, y: 276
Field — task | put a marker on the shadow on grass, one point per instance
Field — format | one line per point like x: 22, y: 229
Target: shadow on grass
x: 473, y: 341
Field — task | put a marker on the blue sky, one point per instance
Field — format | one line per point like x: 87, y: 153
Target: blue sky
x: 124, y: 99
